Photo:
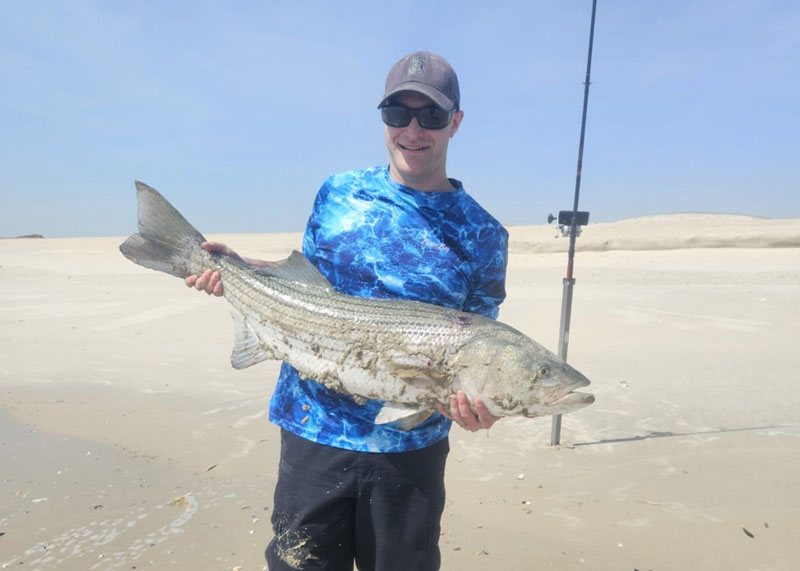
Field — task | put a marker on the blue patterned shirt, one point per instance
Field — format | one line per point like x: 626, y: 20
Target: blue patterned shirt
x: 374, y: 237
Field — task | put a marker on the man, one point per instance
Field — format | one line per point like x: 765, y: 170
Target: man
x: 348, y: 489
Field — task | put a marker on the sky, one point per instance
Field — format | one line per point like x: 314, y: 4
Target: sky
x: 237, y: 111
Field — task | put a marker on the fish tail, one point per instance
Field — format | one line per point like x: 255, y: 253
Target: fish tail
x: 166, y: 241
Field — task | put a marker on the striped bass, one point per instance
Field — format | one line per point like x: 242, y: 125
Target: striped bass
x: 408, y: 354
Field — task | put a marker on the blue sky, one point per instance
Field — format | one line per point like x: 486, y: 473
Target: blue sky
x: 237, y: 111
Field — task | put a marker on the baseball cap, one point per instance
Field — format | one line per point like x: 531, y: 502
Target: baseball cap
x: 425, y: 73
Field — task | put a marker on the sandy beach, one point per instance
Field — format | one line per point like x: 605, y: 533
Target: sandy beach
x: 127, y: 441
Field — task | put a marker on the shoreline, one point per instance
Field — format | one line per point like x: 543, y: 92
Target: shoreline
x: 116, y: 391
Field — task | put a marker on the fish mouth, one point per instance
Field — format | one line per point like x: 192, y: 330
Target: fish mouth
x: 570, y: 402
x: 574, y: 398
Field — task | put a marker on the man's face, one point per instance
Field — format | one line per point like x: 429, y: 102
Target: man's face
x: 417, y: 156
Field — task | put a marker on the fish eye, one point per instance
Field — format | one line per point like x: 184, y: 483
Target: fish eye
x: 544, y: 371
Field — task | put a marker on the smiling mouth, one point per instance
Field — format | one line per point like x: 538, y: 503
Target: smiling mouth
x: 406, y: 148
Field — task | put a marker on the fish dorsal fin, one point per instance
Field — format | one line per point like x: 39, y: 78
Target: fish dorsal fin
x: 295, y: 268
x: 404, y: 417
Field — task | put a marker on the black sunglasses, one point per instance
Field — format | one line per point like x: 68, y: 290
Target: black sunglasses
x: 433, y: 118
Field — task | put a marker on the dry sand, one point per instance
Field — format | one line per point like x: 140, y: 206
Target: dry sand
x: 128, y: 442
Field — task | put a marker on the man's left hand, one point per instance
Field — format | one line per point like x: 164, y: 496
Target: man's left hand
x: 463, y: 414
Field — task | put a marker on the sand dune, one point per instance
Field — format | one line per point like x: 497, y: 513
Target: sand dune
x: 127, y: 440
x: 664, y: 232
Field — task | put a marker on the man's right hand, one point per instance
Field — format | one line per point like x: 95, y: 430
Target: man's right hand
x: 209, y: 281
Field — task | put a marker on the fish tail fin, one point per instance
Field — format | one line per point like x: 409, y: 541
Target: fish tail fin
x: 166, y: 241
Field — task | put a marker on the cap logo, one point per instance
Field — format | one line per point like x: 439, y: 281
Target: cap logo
x: 417, y: 65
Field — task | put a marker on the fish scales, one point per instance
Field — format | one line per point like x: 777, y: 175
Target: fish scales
x: 335, y: 338
x: 409, y: 354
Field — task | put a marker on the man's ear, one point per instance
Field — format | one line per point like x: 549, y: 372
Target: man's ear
x: 456, y: 122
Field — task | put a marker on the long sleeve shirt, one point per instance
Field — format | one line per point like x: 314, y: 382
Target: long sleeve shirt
x: 371, y: 236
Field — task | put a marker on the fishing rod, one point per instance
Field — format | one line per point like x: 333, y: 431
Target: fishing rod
x: 571, y: 221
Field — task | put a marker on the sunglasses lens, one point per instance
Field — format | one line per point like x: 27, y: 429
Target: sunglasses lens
x: 432, y: 117
x: 396, y: 115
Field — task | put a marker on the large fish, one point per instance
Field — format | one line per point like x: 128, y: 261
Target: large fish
x: 409, y: 354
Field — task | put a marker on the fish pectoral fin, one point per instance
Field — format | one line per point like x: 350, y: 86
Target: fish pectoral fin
x: 247, y: 349
x: 405, y: 417
x: 421, y: 375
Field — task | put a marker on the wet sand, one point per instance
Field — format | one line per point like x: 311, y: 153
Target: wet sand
x: 128, y: 441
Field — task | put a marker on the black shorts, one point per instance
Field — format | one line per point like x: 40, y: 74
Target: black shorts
x: 334, y: 506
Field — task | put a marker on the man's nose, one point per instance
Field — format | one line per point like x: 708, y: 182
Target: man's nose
x: 414, y: 126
